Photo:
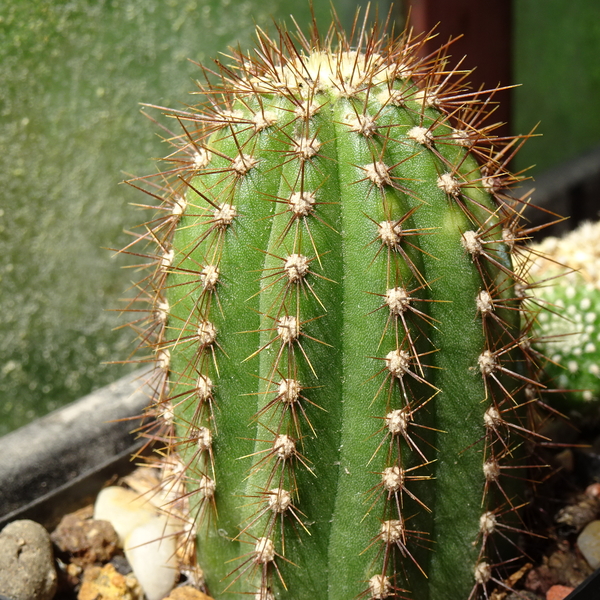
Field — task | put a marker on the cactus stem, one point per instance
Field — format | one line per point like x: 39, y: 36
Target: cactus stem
x: 334, y: 315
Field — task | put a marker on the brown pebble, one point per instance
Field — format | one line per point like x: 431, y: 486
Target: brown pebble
x: 105, y: 583
x: 186, y: 592
x: 86, y: 540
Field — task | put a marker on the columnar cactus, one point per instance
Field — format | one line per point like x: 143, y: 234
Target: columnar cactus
x: 339, y: 354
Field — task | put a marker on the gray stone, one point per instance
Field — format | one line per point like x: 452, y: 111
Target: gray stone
x: 589, y: 543
x: 27, y: 569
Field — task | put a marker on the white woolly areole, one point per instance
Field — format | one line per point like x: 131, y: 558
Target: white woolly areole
x: 492, y: 417
x: 224, y: 216
x: 206, y: 487
x: 471, y: 243
x: 398, y: 300
x: 378, y: 173
x: 209, y: 276
x: 487, y: 523
x: 288, y: 391
x: 462, y: 137
x: 163, y: 359
x: 288, y: 329
x: 487, y: 362
x: 306, y: 148
x: 203, y: 439
x: 491, y: 469
x: 204, y: 387
x: 392, y: 478
x: 302, y: 203
x: 178, y: 206
x: 243, y: 163
x: 162, y: 310
x: 262, y: 120
x: 482, y: 572
x: 167, y: 258
x: 296, y: 267
x: 379, y: 587
x: 421, y: 135
x: 390, y: 233
x: 279, y: 500
x: 521, y: 290
x: 207, y: 333
x: 264, y: 551
x: 509, y: 237
x: 200, y: 158
x: 448, y: 184
x: 284, y: 446
x: 484, y: 302
x: 490, y: 184
x: 363, y: 124
x: 397, y: 421
x: 392, y: 531
x: 398, y: 362
x: 166, y: 409
x: 264, y: 594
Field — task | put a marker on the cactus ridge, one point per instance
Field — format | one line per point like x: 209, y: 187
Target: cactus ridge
x: 343, y: 377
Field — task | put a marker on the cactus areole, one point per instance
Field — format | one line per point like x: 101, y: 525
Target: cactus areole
x: 337, y: 339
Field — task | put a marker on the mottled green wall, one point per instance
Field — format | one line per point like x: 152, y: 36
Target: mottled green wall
x: 557, y: 61
x: 72, y: 76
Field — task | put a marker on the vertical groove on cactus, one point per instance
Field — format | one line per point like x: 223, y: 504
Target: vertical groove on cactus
x: 339, y: 355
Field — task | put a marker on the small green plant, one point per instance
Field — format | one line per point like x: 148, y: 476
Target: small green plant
x: 567, y: 326
x: 336, y: 324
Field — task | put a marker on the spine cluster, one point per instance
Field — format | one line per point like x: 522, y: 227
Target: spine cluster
x: 341, y: 365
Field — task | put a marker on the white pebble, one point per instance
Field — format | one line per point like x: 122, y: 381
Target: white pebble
x: 589, y: 543
x: 150, y: 550
x: 124, y: 509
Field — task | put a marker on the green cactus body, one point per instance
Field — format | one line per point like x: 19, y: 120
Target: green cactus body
x: 339, y: 348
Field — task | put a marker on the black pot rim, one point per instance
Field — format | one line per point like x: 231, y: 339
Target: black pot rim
x: 59, y: 462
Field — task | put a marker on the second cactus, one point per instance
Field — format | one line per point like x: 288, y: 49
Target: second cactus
x: 339, y: 339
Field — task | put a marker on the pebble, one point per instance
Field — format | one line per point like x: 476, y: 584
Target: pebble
x: 26, y: 562
x: 151, y: 551
x: 187, y: 592
x: 105, y: 583
x: 86, y: 541
x: 148, y: 538
x: 124, y: 509
x: 558, y: 592
x: 589, y: 543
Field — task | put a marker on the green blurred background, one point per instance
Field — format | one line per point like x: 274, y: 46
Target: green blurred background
x: 72, y: 76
